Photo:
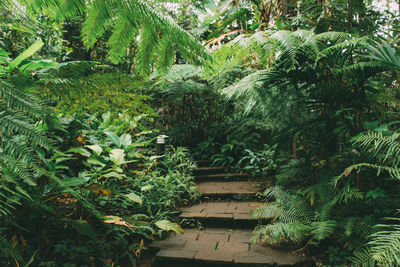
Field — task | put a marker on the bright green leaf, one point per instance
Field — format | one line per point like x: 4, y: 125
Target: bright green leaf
x: 79, y: 150
x: 125, y: 140
x: 147, y: 187
x: 117, y: 156
x: 27, y: 53
x: 133, y: 197
x: 169, y: 226
x: 96, y: 148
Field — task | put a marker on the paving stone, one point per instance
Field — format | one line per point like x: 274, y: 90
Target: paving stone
x: 205, y: 245
x: 194, y: 208
x: 188, y: 234
x: 280, y: 257
x: 252, y: 258
x: 221, y: 210
x: 242, y: 236
x: 218, y: 231
x: 217, y: 206
x: 214, y: 256
x: 241, y: 216
x: 212, y: 237
x: 223, y: 246
x: 228, y: 188
x: 175, y: 254
x: 232, y: 247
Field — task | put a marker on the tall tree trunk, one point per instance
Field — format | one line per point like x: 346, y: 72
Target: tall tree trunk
x: 350, y: 14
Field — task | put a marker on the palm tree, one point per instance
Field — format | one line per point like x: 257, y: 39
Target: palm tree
x: 159, y: 37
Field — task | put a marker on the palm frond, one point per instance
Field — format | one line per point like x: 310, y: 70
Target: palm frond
x: 363, y: 258
x: 288, y: 44
x: 147, y: 46
x: 321, y: 230
x: 98, y: 20
x: 293, y: 208
x: 246, y: 90
x: 123, y: 34
x: 385, y: 54
x: 385, y: 244
x: 123, y: 17
x: 389, y: 145
x: 278, y: 233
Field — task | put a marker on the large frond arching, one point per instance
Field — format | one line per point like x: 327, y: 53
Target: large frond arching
x: 124, y: 18
x: 385, y: 244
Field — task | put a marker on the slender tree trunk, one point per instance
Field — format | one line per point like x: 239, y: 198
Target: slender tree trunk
x: 284, y: 7
x: 350, y: 14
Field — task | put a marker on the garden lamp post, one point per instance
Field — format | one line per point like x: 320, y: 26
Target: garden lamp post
x: 161, y: 143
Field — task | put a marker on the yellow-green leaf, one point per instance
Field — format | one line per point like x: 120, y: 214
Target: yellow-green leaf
x: 133, y: 197
x: 169, y: 226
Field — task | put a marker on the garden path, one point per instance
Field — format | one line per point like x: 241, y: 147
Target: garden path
x: 228, y: 200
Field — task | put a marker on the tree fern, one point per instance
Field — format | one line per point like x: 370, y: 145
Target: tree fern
x: 147, y: 45
x: 120, y: 39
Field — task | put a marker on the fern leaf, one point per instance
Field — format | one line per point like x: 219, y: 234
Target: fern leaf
x: 97, y: 21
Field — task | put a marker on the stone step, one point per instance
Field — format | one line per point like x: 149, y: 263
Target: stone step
x: 230, y: 189
x: 223, y: 177
x: 209, y: 170
x: 228, y: 214
x: 220, y: 247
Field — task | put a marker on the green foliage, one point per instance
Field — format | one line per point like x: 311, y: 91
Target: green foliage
x: 184, y: 98
x: 386, y: 149
x: 85, y: 187
x: 382, y: 147
x: 385, y: 244
x: 127, y: 19
x: 111, y: 172
x: 295, y: 221
x: 19, y: 137
x: 258, y: 163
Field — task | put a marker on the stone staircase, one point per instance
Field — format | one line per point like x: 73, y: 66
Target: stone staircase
x: 228, y: 200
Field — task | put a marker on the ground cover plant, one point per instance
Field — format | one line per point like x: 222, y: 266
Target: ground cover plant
x: 303, y: 94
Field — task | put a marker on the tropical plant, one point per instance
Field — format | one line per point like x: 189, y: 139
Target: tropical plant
x: 128, y: 21
x: 295, y: 222
x: 383, y: 147
x: 19, y: 135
